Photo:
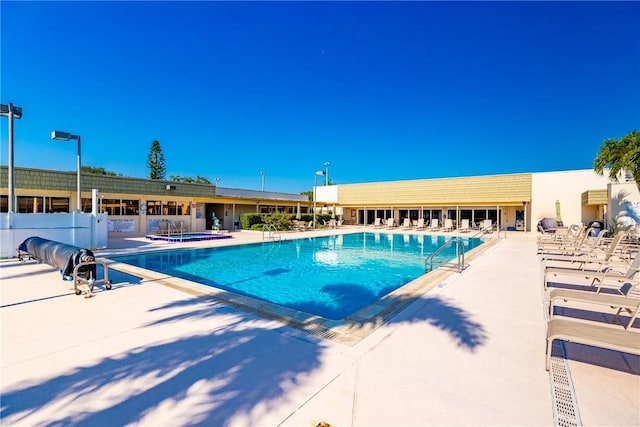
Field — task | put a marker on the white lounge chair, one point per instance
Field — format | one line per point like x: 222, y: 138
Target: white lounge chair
x: 448, y: 225
x: 420, y: 225
x: 629, y: 302
x: 568, y: 244
x: 406, y: 224
x: 609, y: 337
x: 595, y: 255
x: 391, y: 222
x: 434, y: 225
x: 377, y: 223
x: 606, y: 275
x: 464, y: 226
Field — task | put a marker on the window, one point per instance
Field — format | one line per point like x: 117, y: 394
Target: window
x: 479, y: 215
x: 154, y: 207
x: 111, y: 206
x: 130, y: 207
x: 86, y: 205
x: 184, y: 209
x: 4, y: 203
x: 58, y: 204
x: 492, y: 214
x: 170, y: 208
x: 28, y: 204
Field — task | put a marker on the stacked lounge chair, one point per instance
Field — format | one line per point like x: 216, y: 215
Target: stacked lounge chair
x: 607, y: 271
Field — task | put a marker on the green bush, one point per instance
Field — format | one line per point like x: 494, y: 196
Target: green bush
x: 282, y: 221
x: 248, y: 220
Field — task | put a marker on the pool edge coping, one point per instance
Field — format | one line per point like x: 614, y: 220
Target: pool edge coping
x: 349, y: 330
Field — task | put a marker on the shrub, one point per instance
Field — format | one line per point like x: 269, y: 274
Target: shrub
x: 280, y: 220
x: 248, y: 220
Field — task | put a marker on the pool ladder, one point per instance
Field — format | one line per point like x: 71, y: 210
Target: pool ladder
x: 271, y: 232
x: 459, y: 264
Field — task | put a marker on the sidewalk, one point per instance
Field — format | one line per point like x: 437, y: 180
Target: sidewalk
x: 469, y: 352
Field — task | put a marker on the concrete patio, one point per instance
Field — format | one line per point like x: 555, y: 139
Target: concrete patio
x: 468, y: 352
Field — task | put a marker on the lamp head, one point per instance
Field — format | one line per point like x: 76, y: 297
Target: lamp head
x: 17, y: 111
x: 62, y: 136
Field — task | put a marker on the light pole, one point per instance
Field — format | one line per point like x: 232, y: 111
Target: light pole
x: 263, y: 173
x: 326, y: 173
x: 315, y: 184
x: 66, y: 136
x: 217, y: 181
x: 12, y: 112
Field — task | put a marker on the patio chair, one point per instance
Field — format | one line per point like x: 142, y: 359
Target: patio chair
x: 603, y: 276
x: 434, y: 225
x: 591, y: 256
x: 377, y: 223
x: 464, y: 226
x: 420, y: 225
x: 391, y: 222
x: 629, y: 302
x: 406, y: 224
x: 566, y: 243
x: 448, y: 225
x: 611, y: 338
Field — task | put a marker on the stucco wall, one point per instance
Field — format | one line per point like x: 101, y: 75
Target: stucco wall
x: 567, y: 187
x: 327, y: 193
x: 618, y: 193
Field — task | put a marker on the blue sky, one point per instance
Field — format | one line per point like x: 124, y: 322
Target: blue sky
x: 380, y: 90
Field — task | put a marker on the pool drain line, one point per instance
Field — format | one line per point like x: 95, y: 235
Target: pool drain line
x: 565, y: 406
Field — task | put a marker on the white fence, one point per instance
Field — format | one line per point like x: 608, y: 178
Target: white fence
x: 84, y: 230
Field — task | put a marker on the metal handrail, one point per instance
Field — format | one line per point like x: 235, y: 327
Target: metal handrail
x: 272, y: 231
x: 482, y: 231
x: 460, y: 264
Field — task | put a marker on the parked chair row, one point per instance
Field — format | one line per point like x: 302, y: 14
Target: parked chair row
x: 432, y: 225
x: 611, y: 284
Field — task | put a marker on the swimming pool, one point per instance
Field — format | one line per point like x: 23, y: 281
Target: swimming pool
x: 331, y: 276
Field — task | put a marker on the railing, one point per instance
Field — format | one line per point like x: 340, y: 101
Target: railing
x: 272, y: 233
x: 489, y: 229
x: 480, y: 233
x: 171, y: 225
x: 459, y: 264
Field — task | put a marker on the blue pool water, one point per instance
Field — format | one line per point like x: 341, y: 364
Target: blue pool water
x: 331, y: 276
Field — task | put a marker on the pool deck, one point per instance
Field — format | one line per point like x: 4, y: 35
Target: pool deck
x: 470, y: 351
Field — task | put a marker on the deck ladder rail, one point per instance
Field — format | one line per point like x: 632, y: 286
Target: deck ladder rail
x: 171, y: 225
x: 459, y: 264
x: 272, y: 233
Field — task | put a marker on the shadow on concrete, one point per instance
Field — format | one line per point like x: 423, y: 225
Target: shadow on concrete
x: 215, y: 378
x: 610, y: 359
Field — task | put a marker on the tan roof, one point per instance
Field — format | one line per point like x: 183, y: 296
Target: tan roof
x: 485, y: 190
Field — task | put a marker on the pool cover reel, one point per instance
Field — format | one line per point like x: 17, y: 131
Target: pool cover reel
x: 74, y: 263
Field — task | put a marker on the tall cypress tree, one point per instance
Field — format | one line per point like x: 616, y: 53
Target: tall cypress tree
x: 155, y: 161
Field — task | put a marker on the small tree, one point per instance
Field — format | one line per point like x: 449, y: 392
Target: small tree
x: 197, y: 180
x: 620, y: 155
x: 98, y: 171
x: 155, y: 161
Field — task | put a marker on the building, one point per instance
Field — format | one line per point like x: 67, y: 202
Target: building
x: 515, y: 201
x: 136, y: 206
